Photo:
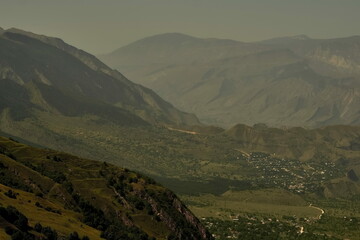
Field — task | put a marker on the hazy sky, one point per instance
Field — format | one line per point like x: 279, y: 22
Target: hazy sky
x: 100, y: 26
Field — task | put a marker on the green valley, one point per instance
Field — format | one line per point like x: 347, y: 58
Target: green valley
x: 278, y: 183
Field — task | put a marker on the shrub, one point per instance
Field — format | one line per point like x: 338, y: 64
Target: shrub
x: 10, y: 194
x: 13, y: 216
x: 38, y: 227
x: 74, y: 236
x: 49, y: 233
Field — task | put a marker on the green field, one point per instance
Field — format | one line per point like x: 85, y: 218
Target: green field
x: 277, y: 210
x: 273, y: 202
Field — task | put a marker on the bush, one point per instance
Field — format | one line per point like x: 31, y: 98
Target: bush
x: 10, y: 194
x: 18, y: 236
x: 2, y: 166
x: 74, y: 236
x: 49, y: 233
x: 39, y: 194
x: 38, y: 227
x: 10, y: 155
x: 13, y: 216
x: 68, y: 186
x: 9, y: 230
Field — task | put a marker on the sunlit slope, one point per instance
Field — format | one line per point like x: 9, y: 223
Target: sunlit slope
x: 94, y: 194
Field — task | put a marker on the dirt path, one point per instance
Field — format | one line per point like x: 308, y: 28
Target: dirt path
x: 321, y: 210
x: 245, y: 153
x: 184, y: 131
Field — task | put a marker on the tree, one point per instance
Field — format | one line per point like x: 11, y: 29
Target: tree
x: 38, y: 227
x: 74, y: 236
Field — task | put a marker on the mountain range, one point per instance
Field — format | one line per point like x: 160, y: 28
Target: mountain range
x: 282, y: 82
x: 55, y: 96
x: 48, y: 75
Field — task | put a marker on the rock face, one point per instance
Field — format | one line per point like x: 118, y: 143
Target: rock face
x: 181, y: 232
x: 291, y: 81
x: 54, y: 76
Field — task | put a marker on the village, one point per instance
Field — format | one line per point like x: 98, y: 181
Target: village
x: 291, y: 174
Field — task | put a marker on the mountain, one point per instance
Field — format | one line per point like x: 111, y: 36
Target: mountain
x: 338, y: 57
x: 287, y: 39
x: 176, y: 48
x: 70, y: 194
x: 290, y: 81
x: 48, y: 75
x: 299, y: 143
x: 51, y: 98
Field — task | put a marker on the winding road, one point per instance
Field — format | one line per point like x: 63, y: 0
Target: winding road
x: 321, y: 210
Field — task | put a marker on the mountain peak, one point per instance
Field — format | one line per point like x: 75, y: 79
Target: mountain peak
x: 23, y: 32
x: 165, y: 38
x: 170, y: 36
x: 301, y: 37
x: 173, y: 35
x: 84, y: 75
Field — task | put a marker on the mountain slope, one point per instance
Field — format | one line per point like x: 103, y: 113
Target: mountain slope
x: 294, y: 81
x: 113, y: 200
x: 59, y: 110
x: 319, y: 144
x: 40, y: 65
x: 176, y: 48
x: 332, y: 57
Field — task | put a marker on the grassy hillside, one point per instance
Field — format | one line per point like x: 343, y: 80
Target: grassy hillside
x: 65, y: 223
x: 70, y: 194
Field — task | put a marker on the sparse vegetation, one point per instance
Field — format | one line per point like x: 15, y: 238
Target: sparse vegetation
x: 108, y: 200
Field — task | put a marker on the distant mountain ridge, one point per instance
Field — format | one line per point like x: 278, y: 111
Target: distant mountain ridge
x: 57, y: 77
x: 288, y: 81
x: 52, y: 98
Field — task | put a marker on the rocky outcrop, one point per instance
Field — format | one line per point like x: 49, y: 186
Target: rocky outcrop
x: 170, y: 216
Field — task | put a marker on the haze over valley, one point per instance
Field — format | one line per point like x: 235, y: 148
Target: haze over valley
x: 282, y: 82
x: 185, y: 125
